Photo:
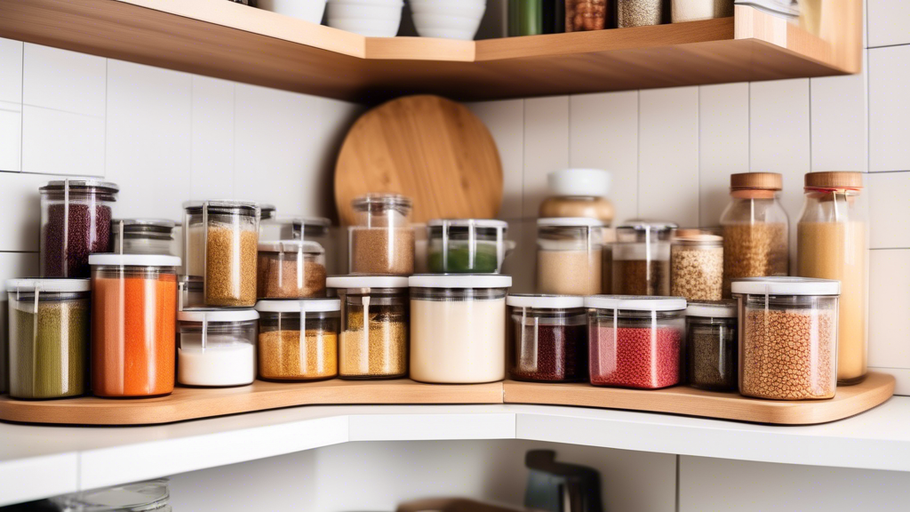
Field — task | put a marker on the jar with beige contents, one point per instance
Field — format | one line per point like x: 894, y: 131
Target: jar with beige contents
x: 569, y: 256
x: 382, y: 240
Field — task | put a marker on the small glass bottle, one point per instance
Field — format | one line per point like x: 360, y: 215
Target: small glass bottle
x: 697, y: 267
x: 382, y: 239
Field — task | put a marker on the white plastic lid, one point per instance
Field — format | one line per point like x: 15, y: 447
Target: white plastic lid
x: 305, y: 246
x: 580, y: 182
x: 635, y: 303
x: 217, y: 315
x: 134, y: 260
x: 480, y: 223
x: 717, y: 309
x: 366, y: 282
x: 460, y: 281
x: 783, y: 285
x: 580, y: 222
x: 545, y: 301
x: 296, y: 306
x: 49, y: 285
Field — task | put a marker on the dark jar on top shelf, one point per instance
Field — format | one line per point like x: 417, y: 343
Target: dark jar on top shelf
x: 548, y: 338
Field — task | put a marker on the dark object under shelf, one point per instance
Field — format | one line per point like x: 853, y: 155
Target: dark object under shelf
x: 534, y: 17
x: 560, y: 487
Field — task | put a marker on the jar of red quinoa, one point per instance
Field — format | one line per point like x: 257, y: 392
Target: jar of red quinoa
x: 548, y: 338
x: 635, y: 341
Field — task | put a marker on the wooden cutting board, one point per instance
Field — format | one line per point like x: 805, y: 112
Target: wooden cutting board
x: 428, y: 148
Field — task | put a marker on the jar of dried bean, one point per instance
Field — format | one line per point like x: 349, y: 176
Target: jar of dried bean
x: 75, y: 222
x: 787, y: 337
x: 711, y: 345
x: 382, y: 239
x: 291, y: 269
x: 374, y: 326
x: 697, y: 267
x: 298, y: 339
x: 549, y: 339
x: 143, y: 236
x: 569, y: 256
x: 641, y: 258
x: 635, y: 342
x: 755, y: 228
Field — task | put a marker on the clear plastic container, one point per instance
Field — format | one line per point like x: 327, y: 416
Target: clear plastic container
x: 374, y: 326
x: 569, y: 256
x: 382, y: 240
x: 787, y: 337
x: 579, y: 193
x: 134, y: 307
x: 152, y: 495
x: 143, y: 236
x: 190, y: 292
x: 711, y: 345
x: 584, y: 15
x: 222, y: 239
x: 291, y: 269
x: 49, y: 345
x: 216, y: 348
x: 755, y: 228
x: 635, y: 342
x: 639, y: 13
x: 75, y: 222
x: 548, y: 338
x: 832, y: 239
x: 466, y: 246
x: 641, y: 258
x: 458, y: 327
x: 697, y: 267
x: 295, y: 350
x: 695, y: 10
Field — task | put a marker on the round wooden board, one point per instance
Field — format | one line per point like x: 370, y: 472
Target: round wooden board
x: 433, y: 150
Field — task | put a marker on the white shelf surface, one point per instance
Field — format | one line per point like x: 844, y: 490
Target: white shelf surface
x: 40, y: 461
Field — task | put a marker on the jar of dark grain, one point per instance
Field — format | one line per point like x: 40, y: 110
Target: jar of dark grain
x: 382, y: 240
x: 711, y: 345
x: 549, y: 339
x: 641, y: 258
x: 75, y: 222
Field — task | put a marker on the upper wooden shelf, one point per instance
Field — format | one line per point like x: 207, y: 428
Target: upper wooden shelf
x: 228, y: 40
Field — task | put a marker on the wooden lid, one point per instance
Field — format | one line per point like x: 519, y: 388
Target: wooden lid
x: 757, y: 180
x: 836, y: 179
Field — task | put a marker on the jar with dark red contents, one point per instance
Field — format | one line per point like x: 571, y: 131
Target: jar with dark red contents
x: 75, y: 222
x: 634, y: 341
x: 549, y: 338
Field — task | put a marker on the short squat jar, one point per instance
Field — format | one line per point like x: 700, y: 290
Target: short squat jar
x: 641, y: 258
x: 374, y: 326
x: 697, y: 267
x: 291, y: 269
x: 466, y: 246
x: 75, y: 222
x: 298, y: 339
x: 216, y: 348
x: 635, y: 342
x: 711, y: 345
x: 48, y: 337
x: 222, y: 239
x: 787, y: 337
x: 143, y: 236
x: 569, y: 256
x: 382, y: 240
x: 548, y: 338
x: 458, y: 328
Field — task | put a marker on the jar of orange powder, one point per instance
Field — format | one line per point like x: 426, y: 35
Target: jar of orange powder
x: 134, y: 307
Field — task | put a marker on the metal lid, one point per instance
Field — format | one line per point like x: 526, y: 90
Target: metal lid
x: 355, y: 281
x: 479, y: 223
x: 635, y: 303
x: 304, y: 246
x: 783, y: 285
x: 79, y: 183
x: 163, y: 225
x: 296, y: 306
x: 218, y: 315
x: 527, y: 300
x: 29, y: 284
x: 463, y: 281
x: 222, y: 206
x: 834, y: 179
x: 712, y: 309
x: 134, y: 260
x: 576, y: 222
x: 387, y: 200
x: 757, y: 181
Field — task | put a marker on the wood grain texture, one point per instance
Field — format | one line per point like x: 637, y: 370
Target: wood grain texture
x: 193, y: 403
x: 435, y: 151
x: 849, y: 401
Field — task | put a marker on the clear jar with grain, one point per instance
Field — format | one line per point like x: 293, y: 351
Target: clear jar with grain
x: 697, y: 267
x: 466, y: 246
x: 711, y: 345
x: 143, y: 236
x: 291, y: 269
x: 548, y: 338
x: 216, y: 348
x: 584, y: 15
x: 639, y: 13
x: 381, y: 241
x: 298, y: 339
x: 641, y: 258
x: 569, y: 256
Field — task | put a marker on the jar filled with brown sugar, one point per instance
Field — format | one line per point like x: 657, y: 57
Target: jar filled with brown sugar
x: 291, y: 269
x: 578, y: 193
x: 697, y: 267
x: 382, y: 239
x: 755, y: 228
x: 641, y: 258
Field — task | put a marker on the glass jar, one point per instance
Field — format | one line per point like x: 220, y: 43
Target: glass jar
x: 711, y: 345
x: 382, y: 239
x: 319, y: 230
x: 466, y: 246
x: 374, y: 326
x: 295, y: 350
x: 134, y: 307
x: 832, y: 241
x: 534, y: 17
x: 549, y: 339
x: 152, y: 495
x: 222, y: 239
x: 48, y: 337
x: 583, y: 15
x: 579, y: 193
x: 75, y: 222
x: 639, y: 13
x: 695, y: 10
x: 143, y: 236
x: 755, y: 228
x: 787, y: 337
x: 458, y: 328
x: 190, y: 292
x: 697, y: 267
x: 216, y: 348
x: 635, y: 342
x: 641, y: 258
x: 569, y: 256
x: 291, y: 269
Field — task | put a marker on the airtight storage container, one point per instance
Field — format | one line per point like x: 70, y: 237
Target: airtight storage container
x: 291, y: 269
x: 216, y: 347
x: 641, y: 258
x: 466, y: 246
x: 548, y: 338
x: 697, y: 267
x: 381, y: 241
x: 569, y: 256
x: 711, y: 345
x: 298, y: 339
x: 143, y: 236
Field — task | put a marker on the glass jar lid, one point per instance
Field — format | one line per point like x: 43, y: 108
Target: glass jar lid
x: 134, y: 260
x: 29, y: 284
x: 81, y: 184
x: 299, y: 306
x: 570, y: 222
x: 311, y: 226
x: 486, y: 229
x: 712, y: 309
x: 142, y: 496
x: 266, y: 210
x: 291, y: 246
x: 222, y: 206
x: 527, y: 300
x: 361, y: 282
x: 381, y: 201
x: 461, y: 281
x: 635, y: 303
x: 218, y: 315
x: 784, y: 285
x: 143, y: 226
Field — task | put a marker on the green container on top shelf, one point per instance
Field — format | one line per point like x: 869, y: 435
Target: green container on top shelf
x: 534, y: 17
x: 466, y: 246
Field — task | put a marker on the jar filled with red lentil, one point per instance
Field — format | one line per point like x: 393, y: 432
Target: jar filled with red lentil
x: 635, y: 341
x: 787, y: 337
x: 549, y: 338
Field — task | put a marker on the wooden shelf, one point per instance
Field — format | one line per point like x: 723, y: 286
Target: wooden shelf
x: 235, y: 42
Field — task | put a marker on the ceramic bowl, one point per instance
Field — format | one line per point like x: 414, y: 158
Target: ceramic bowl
x: 449, y: 19
x: 307, y: 10
x: 371, y: 18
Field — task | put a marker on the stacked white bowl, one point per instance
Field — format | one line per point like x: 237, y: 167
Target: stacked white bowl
x: 308, y: 10
x: 371, y: 18
x: 449, y: 19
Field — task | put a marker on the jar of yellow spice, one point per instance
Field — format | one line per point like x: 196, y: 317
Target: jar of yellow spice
x: 298, y: 339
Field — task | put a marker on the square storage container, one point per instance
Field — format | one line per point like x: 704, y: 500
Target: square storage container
x: 466, y: 246
x: 298, y: 339
x: 216, y: 348
x: 641, y: 258
x: 143, y: 236
x: 291, y: 269
x: 569, y: 256
x: 548, y: 338
x: 381, y: 241
x: 697, y: 267
x: 711, y: 345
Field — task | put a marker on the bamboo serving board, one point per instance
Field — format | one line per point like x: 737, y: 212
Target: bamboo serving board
x: 849, y: 401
